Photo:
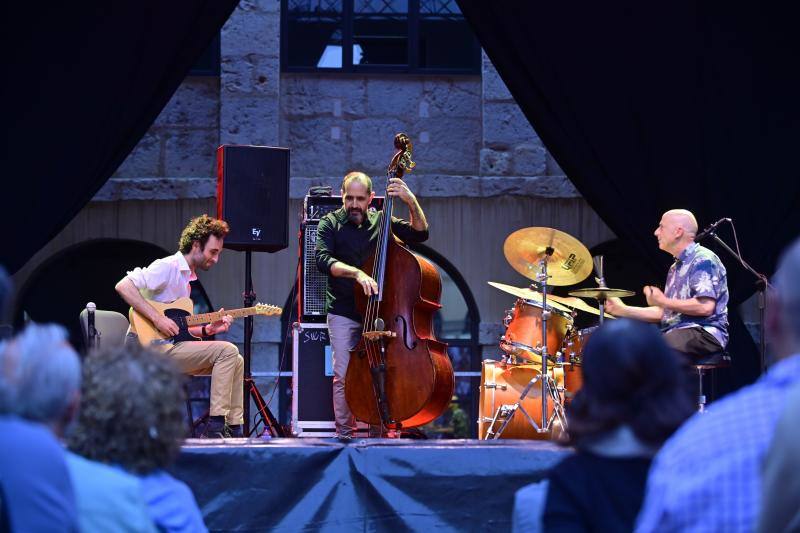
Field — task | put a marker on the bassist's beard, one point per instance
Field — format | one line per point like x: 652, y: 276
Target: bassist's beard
x: 355, y: 215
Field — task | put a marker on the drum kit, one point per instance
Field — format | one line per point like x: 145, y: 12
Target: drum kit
x: 523, y: 395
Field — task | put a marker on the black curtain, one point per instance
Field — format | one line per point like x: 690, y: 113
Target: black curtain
x: 652, y: 106
x: 84, y: 82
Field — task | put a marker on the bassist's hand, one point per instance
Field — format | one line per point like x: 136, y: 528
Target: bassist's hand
x: 367, y: 283
x: 167, y: 326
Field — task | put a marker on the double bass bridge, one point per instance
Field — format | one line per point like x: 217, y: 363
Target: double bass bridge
x: 378, y: 335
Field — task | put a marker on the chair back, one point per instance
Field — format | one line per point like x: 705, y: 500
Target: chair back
x: 111, y: 328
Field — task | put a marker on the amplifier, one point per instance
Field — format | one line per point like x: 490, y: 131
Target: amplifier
x: 314, y: 283
x: 312, y: 383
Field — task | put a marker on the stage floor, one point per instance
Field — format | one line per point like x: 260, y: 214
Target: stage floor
x: 362, y: 485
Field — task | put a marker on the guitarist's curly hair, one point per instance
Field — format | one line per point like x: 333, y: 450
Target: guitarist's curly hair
x: 200, y: 229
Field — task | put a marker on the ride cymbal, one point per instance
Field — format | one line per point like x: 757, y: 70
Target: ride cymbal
x: 569, y: 261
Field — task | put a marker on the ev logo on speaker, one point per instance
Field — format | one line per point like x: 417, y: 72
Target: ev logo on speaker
x: 256, y: 233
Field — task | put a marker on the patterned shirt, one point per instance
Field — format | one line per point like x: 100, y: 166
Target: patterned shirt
x: 707, y: 477
x: 698, y: 272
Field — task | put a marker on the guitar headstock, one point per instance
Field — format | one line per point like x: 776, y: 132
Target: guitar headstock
x: 267, y: 309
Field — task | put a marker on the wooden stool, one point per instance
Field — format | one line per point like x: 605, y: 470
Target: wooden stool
x: 704, y: 364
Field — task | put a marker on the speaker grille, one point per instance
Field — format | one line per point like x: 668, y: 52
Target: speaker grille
x: 315, y: 283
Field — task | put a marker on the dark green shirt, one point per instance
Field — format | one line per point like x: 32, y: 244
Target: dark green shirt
x: 338, y: 239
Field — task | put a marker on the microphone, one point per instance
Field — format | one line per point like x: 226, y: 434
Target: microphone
x: 710, y: 229
x: 90, y: 329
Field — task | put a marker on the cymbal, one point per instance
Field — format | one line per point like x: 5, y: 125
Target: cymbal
x: 579, y: 305
x: 528, y: 294
x: 601, y: 293
x: 570, y: 262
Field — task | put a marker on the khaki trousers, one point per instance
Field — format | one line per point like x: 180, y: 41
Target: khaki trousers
x: 222, y: 360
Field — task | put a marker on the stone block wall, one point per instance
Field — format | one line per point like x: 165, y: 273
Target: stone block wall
x: 182, y: 141
x: 339, y: 123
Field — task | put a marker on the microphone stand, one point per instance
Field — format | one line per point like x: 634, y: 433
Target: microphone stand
x: 761, y: 288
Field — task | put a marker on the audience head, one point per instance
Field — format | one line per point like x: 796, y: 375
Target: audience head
x: 630, y: 377
x: 40, y: 376
x: 131, y: 409
x: 783, y: 308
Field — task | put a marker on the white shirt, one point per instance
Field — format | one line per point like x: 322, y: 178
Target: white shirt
x: 165, y: 280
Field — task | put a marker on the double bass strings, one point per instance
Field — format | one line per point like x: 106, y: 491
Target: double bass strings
x: 373, y: 303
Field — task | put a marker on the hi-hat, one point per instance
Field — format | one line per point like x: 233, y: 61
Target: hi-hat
x: 601, y: 293
x: 569, y: 261
x: 528, y: 294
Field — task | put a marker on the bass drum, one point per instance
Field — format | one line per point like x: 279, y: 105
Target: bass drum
x: 502, y: 384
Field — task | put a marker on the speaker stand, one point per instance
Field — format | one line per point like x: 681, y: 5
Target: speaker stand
x: 266, y: 417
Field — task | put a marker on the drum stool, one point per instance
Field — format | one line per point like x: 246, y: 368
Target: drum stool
x: 705, y: 364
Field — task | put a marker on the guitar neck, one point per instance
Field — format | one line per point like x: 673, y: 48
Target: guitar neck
x: 207, y: 318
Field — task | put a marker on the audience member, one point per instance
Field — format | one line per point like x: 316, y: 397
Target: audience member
x: 632, y: 400
x: 41, y: 382
x: 39, y: 390
x: 707, y: 477
x: 131, y: 416
x: 780, y: 498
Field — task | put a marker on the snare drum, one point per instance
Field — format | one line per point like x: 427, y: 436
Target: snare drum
x: 502, y: 384
x: 523, y: 336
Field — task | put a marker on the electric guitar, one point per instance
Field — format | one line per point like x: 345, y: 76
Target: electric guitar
x: 180, y: 311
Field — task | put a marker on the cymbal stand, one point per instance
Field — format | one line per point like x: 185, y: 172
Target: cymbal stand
x: 547, y: 383
x: 601, y: 283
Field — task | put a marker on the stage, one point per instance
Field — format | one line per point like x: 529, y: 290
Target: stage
x: 362, y: 485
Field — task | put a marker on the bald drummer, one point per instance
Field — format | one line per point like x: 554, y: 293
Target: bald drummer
x: 693, y: 308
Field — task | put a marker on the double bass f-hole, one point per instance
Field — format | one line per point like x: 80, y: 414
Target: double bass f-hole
x: 412, y: 345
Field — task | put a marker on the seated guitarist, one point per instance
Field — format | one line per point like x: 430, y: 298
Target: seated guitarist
x: 166, y: 280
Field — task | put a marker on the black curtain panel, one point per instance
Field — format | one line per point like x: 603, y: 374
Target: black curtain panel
x: 84, y: 82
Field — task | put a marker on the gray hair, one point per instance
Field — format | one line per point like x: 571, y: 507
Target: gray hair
x: 40, y: 374
x: 787, y: 282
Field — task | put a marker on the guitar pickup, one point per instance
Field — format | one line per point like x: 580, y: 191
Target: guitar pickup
x: 376, y: 335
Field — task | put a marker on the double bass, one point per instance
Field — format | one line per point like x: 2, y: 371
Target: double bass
x: 399, y: 375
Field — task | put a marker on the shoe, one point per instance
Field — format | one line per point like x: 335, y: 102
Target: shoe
x: 236, y: 431
x: 344, y: 437
x: 217, y: 428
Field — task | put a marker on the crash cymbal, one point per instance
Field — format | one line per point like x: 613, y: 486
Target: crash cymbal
x: 528, y: 294
x: 601, y: 293
x: 570, y: 261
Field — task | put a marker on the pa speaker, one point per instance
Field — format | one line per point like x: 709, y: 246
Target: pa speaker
x: 253, y: 196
